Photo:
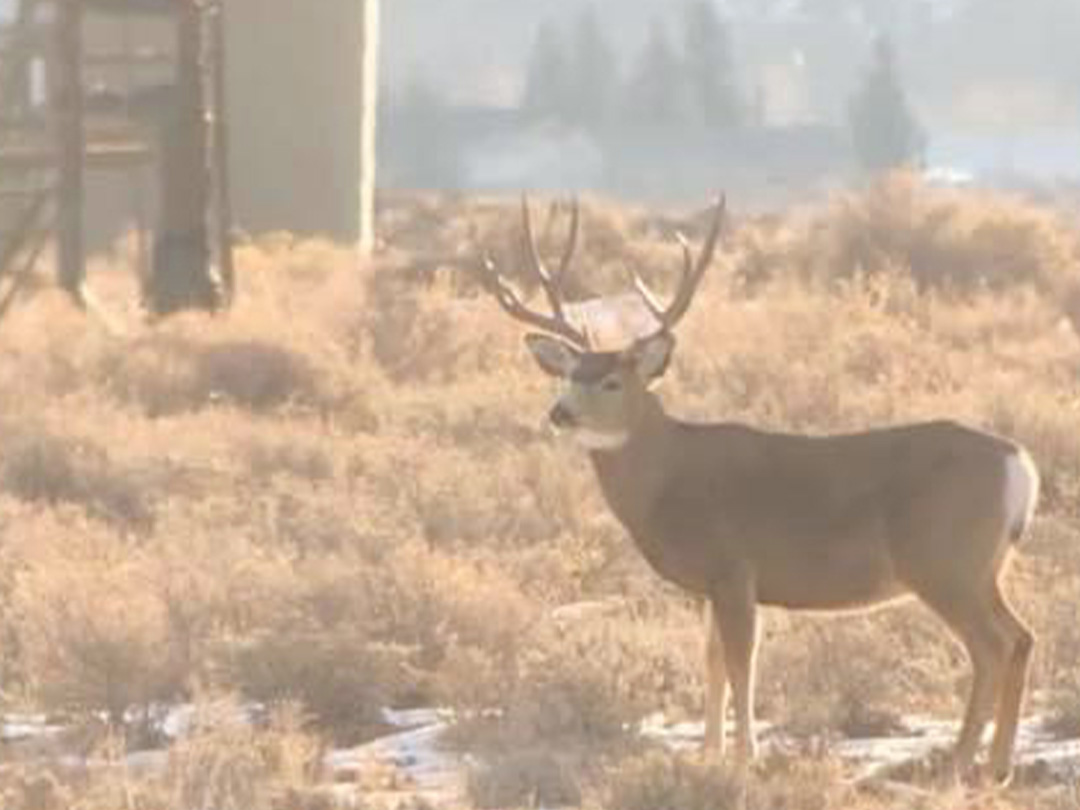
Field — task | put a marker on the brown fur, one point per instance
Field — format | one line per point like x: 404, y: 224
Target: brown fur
x: 745, y: 517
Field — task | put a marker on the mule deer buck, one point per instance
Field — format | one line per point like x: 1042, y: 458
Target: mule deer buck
x: 746, y: 517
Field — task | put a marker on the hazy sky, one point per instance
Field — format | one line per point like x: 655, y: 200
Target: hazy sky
x: 476, y: 50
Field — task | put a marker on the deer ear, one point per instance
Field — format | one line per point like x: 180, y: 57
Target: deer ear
x: 554, y: 356
x: 652, y: 355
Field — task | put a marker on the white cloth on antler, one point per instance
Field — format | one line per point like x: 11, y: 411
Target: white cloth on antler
x: 612, y: 322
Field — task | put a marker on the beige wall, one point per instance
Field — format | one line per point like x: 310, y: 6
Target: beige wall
x: 293, y: 98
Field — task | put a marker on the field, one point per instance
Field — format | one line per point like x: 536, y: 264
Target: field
x: 341, y: 498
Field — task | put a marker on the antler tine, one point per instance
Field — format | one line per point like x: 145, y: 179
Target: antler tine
x: 692, y: 273
x: 571, y: 241
x: 695, y: 271
x: 511, y: 303
x: 548, y: 283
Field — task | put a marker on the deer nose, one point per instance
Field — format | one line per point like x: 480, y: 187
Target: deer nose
x: 561, y: 416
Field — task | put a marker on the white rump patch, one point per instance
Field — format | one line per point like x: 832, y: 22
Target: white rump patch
x: 1021, y: 491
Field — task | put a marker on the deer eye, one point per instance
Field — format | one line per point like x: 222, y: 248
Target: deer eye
x: 611, y: 384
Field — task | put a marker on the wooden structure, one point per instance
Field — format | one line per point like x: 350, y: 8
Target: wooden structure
x: 131, y: 86
x: 369, y: 103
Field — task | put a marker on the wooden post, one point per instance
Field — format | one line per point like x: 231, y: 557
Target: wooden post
x: 369, y: 90
x: 219, y: 146
x: 15, y: 76
x: 180, y: 277
x: 70, y: 138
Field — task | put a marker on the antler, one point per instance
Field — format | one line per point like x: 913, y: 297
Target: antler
x: 510, y: 300
x: 693, y: 272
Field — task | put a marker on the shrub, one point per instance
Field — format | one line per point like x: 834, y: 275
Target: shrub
x: 255, y: 375
x: 666, y: 781
x: 341, y: 679
x: 166, y: 376
x: 226, y: 762
x: 434, y: 602
x: 957, y: 241
x: 33, y: 790
x: 823, y: 679
x: 39, y: 467
x: 425, y: 336
x: 671, y: 781
x: 1064, y: 720
x: 530, y: 778
x: 1058, y: 647
x: 803, y: 782
x: 267, y: 458
x: 583, y: 683
x: 90, y: 627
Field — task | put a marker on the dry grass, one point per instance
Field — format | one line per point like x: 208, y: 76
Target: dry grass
x: 527, y: 778
x: 223, y: 762
x: 39, y: 467
x: 941, y: 240
x: 661, y: 781
x: 341, y: 494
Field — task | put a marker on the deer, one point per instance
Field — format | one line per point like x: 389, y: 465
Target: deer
x: 743, y: 518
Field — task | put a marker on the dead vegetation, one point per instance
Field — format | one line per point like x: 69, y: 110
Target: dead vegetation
x: 341, y: 495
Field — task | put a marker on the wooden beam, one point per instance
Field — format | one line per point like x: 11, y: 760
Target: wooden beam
x: 134, y: 8
x: 23, y: 230
x: 221, y: 190
x: 97, y: 156
x: 18, y: 47
x: 369, y: 102
x: 148, y: 57
x: 180, y: 277
x: 22, y: 275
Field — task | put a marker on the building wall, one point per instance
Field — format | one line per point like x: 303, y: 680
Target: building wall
x: 293, y: 84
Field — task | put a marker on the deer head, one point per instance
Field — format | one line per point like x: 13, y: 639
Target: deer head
x: 605, y: 393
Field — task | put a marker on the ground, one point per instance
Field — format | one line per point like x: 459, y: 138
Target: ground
x: 340, y: 499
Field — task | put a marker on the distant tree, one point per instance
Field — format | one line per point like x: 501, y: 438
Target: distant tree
x: 547, y: 79
x: 884, y: 130
x: 708, y: 65
x: 594, y: 79
x: 656, y: 92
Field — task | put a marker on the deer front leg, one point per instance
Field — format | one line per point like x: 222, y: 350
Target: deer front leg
x: 716, y: 694
x: 734, y: 606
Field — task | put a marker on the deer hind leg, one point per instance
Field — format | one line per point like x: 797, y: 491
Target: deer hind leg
x: 735, y: 613
x: 988, y: 643
x: 716, y: 696
x: 1013, y: 684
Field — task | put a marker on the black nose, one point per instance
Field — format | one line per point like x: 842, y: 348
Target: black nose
x: 560, y: 416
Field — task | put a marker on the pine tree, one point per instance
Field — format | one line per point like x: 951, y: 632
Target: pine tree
x: 708, y: 69
x: 595, y: 76
x: 547, y: 79
x: 656, y: 92
x: 884, y: 130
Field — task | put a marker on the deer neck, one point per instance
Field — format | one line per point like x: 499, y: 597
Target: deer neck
x: 632, y: 475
